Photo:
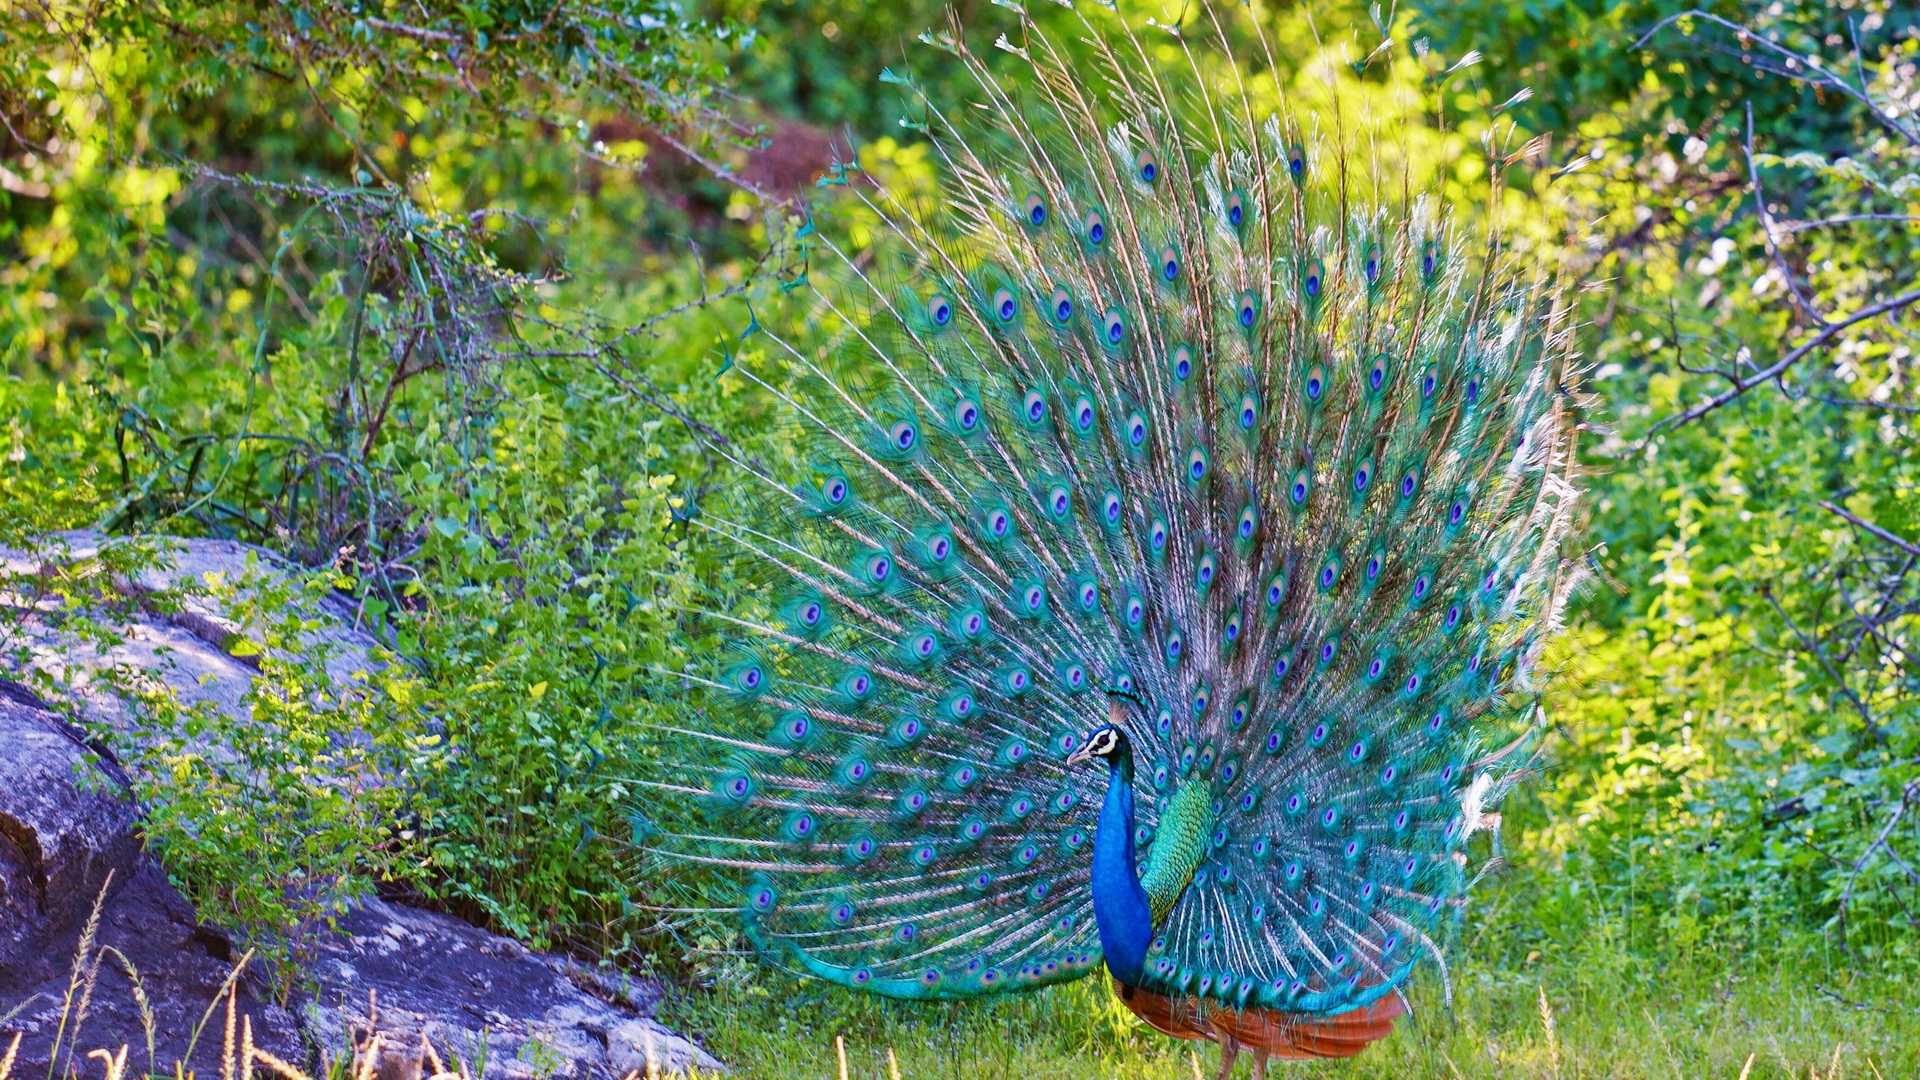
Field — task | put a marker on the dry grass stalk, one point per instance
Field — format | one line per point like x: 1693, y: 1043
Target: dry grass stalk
x: 653, y: 1061
x: 6, y: 1062
x: 278, y: 1065
x: 75, y: 977
x: 840, y: 1047
x: 226, y: 1046
x: 893, y: 1066
x: 232, y: 979
x: 428, y: 1055
x: 148, y: 1025
x: 1553, y: 1043
x: 116, y: 1063
x: 370, y: 1059
x: 1748, y: 1067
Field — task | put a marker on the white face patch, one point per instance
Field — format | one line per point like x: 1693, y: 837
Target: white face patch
x: 1104, y: 741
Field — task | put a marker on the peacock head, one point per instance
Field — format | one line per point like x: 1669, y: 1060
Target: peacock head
x: 1107, y: 742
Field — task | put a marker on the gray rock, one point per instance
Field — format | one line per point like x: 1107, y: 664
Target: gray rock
x: 502, y: 1011
x: 65, y: 825
x: 184, y: 645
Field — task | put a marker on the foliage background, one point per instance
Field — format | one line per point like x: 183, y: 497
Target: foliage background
x: 429, y: 297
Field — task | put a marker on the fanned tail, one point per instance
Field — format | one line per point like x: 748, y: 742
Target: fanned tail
x: 1177, y: 389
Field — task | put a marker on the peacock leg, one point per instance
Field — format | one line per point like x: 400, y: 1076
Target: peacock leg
x: 1229, y: 1050
x: 1259, y: 1065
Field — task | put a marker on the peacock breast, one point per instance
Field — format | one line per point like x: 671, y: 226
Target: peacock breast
x: 1180, y: 841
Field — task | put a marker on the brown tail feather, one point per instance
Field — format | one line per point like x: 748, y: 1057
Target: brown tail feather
x: 1288, y: 1036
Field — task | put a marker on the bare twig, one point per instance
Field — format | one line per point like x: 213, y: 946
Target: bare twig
x: 1821, y: 75
x: 1907, y: 546
x: 1812, y: 646
x: 1774, y: 370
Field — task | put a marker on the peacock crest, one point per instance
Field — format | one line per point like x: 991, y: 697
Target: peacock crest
x: 1179, y: 408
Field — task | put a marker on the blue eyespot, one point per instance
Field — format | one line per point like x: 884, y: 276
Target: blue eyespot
x: 1247, y: 309
x: 1196, y: 464
x: 1096, y: 228
x: 940, y: 310
x: 1036, y: 211
x: 1034, y: 407
x: 1005, y: 305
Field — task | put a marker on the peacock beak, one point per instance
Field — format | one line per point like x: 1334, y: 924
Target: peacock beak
x: 1080, y: 756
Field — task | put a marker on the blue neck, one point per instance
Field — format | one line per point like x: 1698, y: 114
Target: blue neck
x: 1119, y: 903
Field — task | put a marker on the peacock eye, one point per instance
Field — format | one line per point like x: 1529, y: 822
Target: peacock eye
x: 1036, y: 211
x: 1182, y: 362
x: 940, y: 309
x: 1147, y: 166
x: 1034, y: 406
x: 1005, y: 305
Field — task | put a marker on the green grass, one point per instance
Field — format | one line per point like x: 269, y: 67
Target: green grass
x: 1591, y: 1007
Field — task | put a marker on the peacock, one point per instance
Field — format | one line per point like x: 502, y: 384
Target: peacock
x: 1172, y: 513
